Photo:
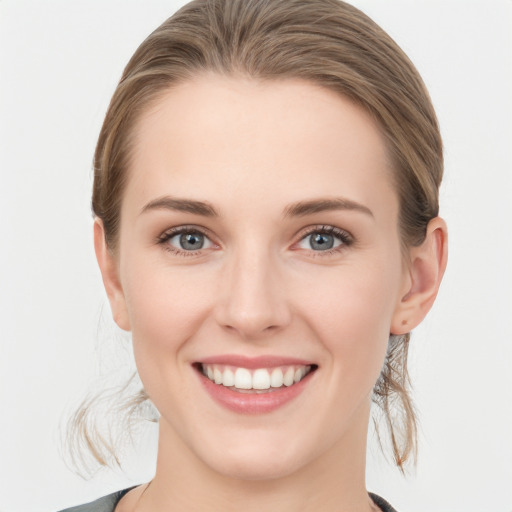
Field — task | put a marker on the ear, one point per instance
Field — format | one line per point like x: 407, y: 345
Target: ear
x: 425, y: 270
x: 110, y: 274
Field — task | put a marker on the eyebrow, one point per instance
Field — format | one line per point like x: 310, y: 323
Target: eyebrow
x: 303, y: 208
x: 181, y: 205
x: 299, y: 209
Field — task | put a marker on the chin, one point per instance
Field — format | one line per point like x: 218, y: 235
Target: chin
x: 267, y: 459
x: 256, y: 468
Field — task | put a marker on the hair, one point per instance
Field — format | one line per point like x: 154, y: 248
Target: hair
x: 329, y: 43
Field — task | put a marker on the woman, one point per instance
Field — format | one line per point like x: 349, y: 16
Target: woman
x: 266, y: 202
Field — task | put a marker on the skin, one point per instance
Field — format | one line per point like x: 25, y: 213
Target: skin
x: 251, y: 149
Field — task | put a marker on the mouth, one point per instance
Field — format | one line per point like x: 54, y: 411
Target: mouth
x: 254, y: 386
x: 259, y: 380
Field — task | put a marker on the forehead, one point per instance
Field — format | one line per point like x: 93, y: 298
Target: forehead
x: 287, y: 138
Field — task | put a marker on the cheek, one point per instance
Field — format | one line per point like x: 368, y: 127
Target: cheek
x: 166, y: 308
x: 159, y: 295
x: 352, y: 316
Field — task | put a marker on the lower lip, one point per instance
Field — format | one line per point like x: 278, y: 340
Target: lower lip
x: 253, y: 403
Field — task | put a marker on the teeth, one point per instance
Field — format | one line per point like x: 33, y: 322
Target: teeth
x: 243, y: 379
x: 288, y: 376
x: 228, y: 378
x: 299, y: 374
x: 260, y: 379
x: 276, y: 379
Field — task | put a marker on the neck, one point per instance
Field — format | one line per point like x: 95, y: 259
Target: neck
x: 334, y: 481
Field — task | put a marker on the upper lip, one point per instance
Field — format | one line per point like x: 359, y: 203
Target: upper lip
x: 265, y: 361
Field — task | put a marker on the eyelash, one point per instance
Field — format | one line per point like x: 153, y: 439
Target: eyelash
x: 171, y: 233
x: 343, y: 236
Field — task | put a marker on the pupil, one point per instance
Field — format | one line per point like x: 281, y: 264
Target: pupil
x: 322, y: 242
x: 192, y: 241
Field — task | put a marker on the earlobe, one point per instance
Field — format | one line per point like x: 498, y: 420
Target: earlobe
x: 425, y: 272
x: 110, y: 275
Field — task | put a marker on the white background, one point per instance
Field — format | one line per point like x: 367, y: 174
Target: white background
x: 59, y: 63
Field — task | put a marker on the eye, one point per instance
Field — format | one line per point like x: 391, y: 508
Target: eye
x: 185, y: 240
x: 323, y: 239
x: 189, y: 241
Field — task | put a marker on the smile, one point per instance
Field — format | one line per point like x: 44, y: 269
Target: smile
x: 254, y: 385
x: 260, y: 379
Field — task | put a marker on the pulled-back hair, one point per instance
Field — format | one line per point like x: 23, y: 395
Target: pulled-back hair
x: 326, y: 42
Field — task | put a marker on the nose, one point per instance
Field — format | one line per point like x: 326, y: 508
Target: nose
x: 253, y: 296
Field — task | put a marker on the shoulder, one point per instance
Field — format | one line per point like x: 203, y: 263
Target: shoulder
x: 104, y: 504
x: 381, y: 503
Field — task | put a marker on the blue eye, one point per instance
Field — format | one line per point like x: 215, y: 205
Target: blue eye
x: 321, y: 241
x: 325, y: 239
x: 190, y: 241
x: 186, y: 240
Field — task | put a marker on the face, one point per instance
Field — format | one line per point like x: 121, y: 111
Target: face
x: 259, y: 245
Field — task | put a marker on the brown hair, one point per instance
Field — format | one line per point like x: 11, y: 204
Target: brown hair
x: 327, y: 42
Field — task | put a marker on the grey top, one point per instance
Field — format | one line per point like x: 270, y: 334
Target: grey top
x: 105, y: 504
x: 108, y: 503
